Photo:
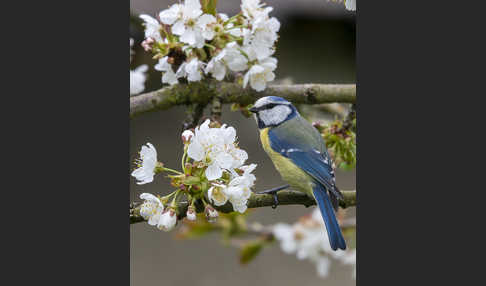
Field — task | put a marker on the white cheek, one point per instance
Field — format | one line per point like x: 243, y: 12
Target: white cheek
x: 276, y: 115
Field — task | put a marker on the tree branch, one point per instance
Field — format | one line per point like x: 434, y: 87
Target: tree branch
x: 285, y: 197
x: 204, y: 91
x: 194, y: 114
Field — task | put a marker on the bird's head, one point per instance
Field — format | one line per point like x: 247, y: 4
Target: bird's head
x: 271, y: 111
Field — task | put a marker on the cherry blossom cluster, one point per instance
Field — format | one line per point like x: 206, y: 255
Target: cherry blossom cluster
x: 307, y: 238
x: 137, y: 76
x: 191, y: 43
x: 213, y: 173
x: 216, y: 151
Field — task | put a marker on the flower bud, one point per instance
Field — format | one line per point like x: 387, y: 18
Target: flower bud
x: 186, y: 136
x: 211, y: 213
x: 191, y: 213
x: 147, y: 44
x: 317, y: 125
x: 159, y: 167
x: 168, y: 220
x: 188, y: 168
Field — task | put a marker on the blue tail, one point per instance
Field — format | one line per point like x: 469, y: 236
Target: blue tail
x: 333, y: 231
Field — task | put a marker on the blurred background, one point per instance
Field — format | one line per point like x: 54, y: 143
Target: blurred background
x: 316, y: 45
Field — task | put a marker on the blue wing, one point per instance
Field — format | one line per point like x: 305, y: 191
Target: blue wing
x: 305, y: 149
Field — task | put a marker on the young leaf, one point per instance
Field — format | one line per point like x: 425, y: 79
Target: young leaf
x: 209, y: 6
x: 250, y: 250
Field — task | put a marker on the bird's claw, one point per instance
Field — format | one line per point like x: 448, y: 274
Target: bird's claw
x: 273, y: 192
x: 275, y: 200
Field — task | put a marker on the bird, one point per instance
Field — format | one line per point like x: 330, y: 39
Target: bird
x: 299, y: 154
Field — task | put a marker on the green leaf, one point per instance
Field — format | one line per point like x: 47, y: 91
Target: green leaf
x: 209, y: 6
x: 196, y: 230
x: 250, y: 250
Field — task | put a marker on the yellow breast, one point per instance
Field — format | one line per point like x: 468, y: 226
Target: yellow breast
x: 293, y: 175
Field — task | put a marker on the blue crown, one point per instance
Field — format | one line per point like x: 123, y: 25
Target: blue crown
x: 277, y: 98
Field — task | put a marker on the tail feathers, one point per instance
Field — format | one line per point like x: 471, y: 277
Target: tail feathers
x: 334, y: 201
x: 336, y: 238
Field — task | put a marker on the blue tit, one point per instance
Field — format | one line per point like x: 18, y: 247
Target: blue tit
x: 299, y: 154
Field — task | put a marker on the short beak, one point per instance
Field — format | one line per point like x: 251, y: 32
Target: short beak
x: 253, y: 109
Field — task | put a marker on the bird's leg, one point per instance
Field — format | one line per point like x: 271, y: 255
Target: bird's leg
x: 274, y: 193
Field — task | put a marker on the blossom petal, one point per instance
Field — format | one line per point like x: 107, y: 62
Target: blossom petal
x: 169, y: 16
x: 189, y: 37
x: 178, y: 28
x: 224, y: 160
x: 213, y: 172
x: 217, y: 196
x: 196, y: 151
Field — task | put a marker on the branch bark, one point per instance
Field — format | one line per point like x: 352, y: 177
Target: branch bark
x: 203, y: 92
x: 285, y: 197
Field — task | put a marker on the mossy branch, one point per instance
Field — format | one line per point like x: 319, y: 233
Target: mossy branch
x: 285, y: 197
x: 203, y: 93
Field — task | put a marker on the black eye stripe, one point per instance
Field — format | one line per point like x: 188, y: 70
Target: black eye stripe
x: 269, y: 106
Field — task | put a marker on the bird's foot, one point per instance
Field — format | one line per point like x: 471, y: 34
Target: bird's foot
x: 274, y: 193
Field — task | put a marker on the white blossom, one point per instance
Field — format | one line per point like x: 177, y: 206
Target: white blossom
x: 234, y: 59
x: 350, y: 5
x: 147, y: 44
x: 194, y: 30
x: 217, y: 150
x: 223, y: 17
x: 217, y: 194
x: 307, y: 239
x: 191, y: 213
x: 216, y: 147
x: 229, y: 57
x: 137, y: 76
x: 208, y: 24
x: 193, y: 70
x: 254, y: 9
x: 285, y: 234
x: 168, y: 73
x: 259, y: 41
x: 151, y: 209
x: 183, y: 18
x: 171, y: 15
x: 211, y: 213
x: 167, y: 220
x: 323, y: 264
x: 237, y: 192
x: 260, y: 73
x: 187, y: 135
x: 146, y: 165
x: 137, y: 79
x: 152, y: 27
x: 216, y: 66
x: 263, y: 36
